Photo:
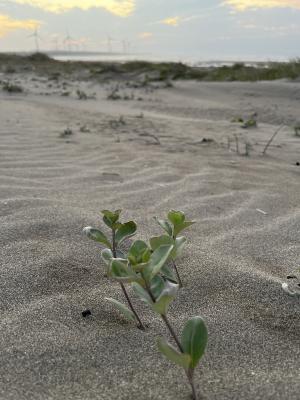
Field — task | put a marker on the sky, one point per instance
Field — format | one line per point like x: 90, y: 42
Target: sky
x: 169, y: 29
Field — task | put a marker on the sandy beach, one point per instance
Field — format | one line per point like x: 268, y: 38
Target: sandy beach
x: 155, y: 148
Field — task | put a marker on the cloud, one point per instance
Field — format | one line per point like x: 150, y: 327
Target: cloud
x: 146, y: 35
x: 172, y: 21
x: 8, y: 24
x: 242, y: 5
x: 122, y: 8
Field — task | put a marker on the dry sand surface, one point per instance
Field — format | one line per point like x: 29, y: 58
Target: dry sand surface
x: 233, y: 266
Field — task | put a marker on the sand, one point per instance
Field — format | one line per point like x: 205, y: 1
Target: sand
x: 233, y: 266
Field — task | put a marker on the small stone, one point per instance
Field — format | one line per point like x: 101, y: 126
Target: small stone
x: 86, y: 313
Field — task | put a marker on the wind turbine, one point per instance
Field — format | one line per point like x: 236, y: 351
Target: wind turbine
x: 109, y: 44
x: 36, y: 37
x: 55, y: 43
x: 68, y: 41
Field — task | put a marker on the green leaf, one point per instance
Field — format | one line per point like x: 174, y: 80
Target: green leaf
x: 168, y: 273
x: 157, y: 285
x: 176, y: 217
x: 163, y: 240
x: 122, y: 308
x: 125, y: 231
x: 110, y: 218
x: 159, y: 258
x: 194, y: 339
x: 178, y: 243
x: 96, y: 235
x: 166, y: 297
x: 178, y: 248
x: 165, y: 225
x: 180, y: 227
x: 119, y: 270
x: 181, y: 359
x: 141, y: 292
x: 139, y: 253
x: 107, y: 256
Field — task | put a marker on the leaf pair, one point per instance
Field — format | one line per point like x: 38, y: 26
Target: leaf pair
x: 176, y: 223
x: 124, y: 231
x: 193, y: 341
x: 163, y: 293
x: 177, y: 244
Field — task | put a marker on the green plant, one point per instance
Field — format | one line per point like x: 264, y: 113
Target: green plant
x: 119, y: 233
x: 147, y: 271
x: 297, y: 130
x: 12, y: 88
x: 176, y: 222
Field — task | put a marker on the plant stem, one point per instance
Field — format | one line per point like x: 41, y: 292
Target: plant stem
x: 114, y: 250
x: 177, y: 273
x: 189, y: 373
x: 140, y: 324
x: 171, y: 330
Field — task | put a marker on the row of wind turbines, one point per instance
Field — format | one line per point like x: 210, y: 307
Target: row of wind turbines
x: 70, y: 44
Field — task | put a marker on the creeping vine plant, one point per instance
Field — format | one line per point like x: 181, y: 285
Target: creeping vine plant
x: 119, y: 232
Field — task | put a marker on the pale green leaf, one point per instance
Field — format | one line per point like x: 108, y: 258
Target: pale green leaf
x: 159, y: 258
x: 125, y: 231
x: 122, y: 308
x: 96, y: 235
x: 142, y: 293
x: 180, y: 227
x: 166, y: 297
x: 181, y: 359
x: 120, y: 270
x: 165, y: 225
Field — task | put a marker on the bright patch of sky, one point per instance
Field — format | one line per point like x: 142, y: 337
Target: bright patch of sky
x: 170, y: 29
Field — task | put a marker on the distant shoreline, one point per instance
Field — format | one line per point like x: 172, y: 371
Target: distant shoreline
x: 145, y: 71
x: 97, y: 56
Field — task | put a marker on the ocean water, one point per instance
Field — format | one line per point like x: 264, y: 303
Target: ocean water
x: 120, y: 57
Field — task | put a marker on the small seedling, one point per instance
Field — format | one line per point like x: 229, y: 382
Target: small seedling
x: 237, y: 120
x: 175, y: 224
x: 145, y: 270
x: 248, y: 148
x: 66, y: 133
x: 81, y: 94
x: 297, y: 130
x: 119, y: 233
x: 114, y: 94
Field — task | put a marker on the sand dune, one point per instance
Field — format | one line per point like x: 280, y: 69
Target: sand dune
x: 52, y: 186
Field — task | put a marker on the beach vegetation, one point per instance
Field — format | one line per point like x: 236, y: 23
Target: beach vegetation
x: 118, y: 233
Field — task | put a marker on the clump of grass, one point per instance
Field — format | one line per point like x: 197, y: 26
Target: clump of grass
x: 12, y: 87
x: 81, y: 94
x: 114, y: 94
x: 297, y: 130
